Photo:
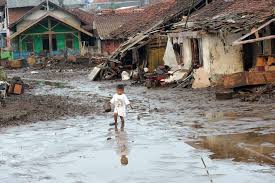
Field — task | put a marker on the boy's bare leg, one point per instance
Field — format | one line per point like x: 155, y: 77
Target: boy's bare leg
x: 115, y: 118
x: 122, y: 122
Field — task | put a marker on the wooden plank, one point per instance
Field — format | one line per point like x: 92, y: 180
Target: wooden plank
x: 50, y: 32
x: 192, y: 34
x: 254, y: 40
x: 50, y: 36
x: 256, y: 30
x: 248, y: 79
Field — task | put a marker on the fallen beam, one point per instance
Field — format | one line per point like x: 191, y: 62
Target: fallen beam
x: 254, y: 40
x: 248, y: 79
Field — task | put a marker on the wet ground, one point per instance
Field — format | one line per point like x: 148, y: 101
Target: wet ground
x: 172, y: 135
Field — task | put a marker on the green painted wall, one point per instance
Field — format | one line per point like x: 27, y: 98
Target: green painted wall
x: 62, y: 28
x: 60, y: 38
x: 76, y: 43
x: 38, y: 28
x: 38, y: 44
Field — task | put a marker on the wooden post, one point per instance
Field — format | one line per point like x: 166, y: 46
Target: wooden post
x: 20, y: 46
x: 50, y: 37
x: 47, y: 2
x: 79, y: 40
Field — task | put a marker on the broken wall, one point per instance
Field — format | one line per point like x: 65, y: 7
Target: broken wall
x: 109, y: 46
x: 220, y: 57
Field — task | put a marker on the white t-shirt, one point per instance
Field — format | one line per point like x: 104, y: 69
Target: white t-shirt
x: 120, y: 102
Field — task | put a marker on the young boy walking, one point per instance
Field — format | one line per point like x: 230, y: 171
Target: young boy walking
x: 120, y: 101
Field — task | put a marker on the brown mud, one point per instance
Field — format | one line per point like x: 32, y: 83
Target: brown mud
x: 28, y: 108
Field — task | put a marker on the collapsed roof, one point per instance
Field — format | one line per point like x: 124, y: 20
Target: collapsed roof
x: 158, y: 13
x: 108, y: 23
x: 230, y: 16
x: 154, y: 19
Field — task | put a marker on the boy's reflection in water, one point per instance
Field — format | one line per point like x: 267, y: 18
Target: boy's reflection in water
x: 122, y: 146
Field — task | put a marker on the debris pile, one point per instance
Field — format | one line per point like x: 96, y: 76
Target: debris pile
x: 249, y: 86
x: 257, y: 93
x: 16, y: 86
x: 3, y: 75
x: 13, y: 86
x: 3, y: 93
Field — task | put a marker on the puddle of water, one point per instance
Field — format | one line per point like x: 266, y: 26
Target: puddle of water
x: 218, y: 116
x: 56, y: 84
x: 245, y: 147
x: 77, y: 150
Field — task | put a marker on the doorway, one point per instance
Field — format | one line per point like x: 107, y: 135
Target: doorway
x: 248, y: 56
x: 46, y: 43
x: 197, y: 56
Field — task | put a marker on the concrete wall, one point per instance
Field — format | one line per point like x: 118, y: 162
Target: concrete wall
x: 218, y: 58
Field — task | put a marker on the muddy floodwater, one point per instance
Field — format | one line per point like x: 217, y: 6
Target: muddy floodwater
x: 171, y: 136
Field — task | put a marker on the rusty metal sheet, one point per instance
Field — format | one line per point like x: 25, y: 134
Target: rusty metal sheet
x: 248, y: 79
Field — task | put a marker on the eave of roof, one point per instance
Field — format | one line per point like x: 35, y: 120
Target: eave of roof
x: 36, y: 8
x: 45, y: 16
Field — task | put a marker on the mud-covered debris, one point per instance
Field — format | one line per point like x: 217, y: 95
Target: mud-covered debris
x: 258, y: 93
x: 3, y: 75
x: 16, y: 86
x: 224, y: 94
x: 107, y: 107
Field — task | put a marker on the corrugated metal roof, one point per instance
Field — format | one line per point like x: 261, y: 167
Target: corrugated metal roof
x: 27, y: 3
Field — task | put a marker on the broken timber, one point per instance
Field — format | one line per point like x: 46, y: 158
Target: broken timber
x: 243, y: 41
x: 249, y: 79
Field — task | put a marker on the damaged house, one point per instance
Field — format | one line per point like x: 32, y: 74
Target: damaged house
x: 147, y: 36
x: 228, y: 37
x: 3, y: 24
x: 109, y: 21
x: 48, y: 29
x: 33, y: 3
